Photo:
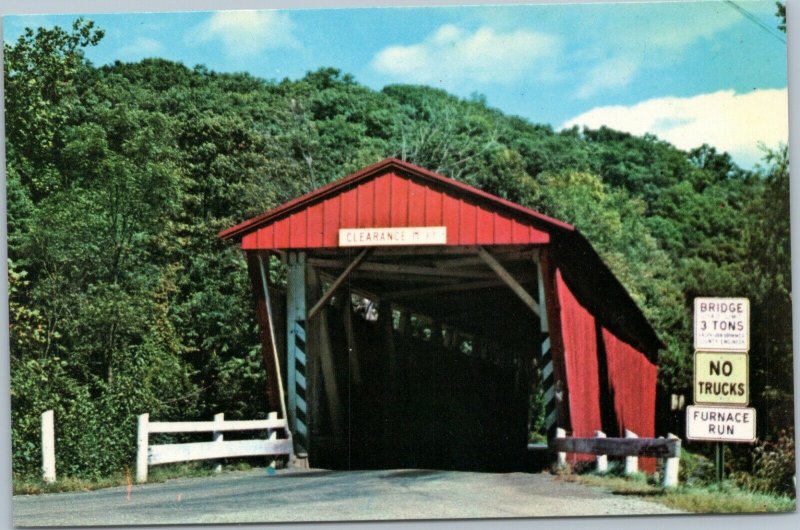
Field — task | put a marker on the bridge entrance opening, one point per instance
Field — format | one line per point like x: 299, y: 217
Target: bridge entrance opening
x: 421, y: 357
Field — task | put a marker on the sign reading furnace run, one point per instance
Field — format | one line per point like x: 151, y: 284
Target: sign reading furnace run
x: 721, y: 378
x: 721, y: 424
x: 392, y: 236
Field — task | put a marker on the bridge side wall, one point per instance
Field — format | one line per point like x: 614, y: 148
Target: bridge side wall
x: 610, y: 385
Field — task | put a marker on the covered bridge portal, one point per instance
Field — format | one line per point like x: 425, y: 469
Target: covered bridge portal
x: 423, y: 314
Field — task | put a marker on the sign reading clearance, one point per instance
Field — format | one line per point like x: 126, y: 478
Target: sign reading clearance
x: 385, y: 237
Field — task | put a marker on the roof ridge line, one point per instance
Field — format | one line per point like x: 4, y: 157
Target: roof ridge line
x: 255, y: 222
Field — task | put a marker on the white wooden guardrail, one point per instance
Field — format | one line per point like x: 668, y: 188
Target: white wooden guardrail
x: 148, y: 455
x: 631, y: 447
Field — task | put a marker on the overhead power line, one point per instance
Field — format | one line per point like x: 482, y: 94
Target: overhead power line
x: 747, y: 14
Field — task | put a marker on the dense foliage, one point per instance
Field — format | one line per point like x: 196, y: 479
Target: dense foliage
x: 123, y: 300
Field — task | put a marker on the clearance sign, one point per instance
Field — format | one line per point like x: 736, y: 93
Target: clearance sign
x: 392, y: 237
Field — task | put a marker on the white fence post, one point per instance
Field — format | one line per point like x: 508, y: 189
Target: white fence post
x: 48, y: 448
x: 602, y: 460
x: 562, y: 457
x: 631, y: 462
x: 217, y: 436
x: 671, y: 466
x: 272, y: 434
x: 142, y: 440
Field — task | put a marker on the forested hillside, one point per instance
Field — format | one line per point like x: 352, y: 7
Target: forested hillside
x: 123, y: 300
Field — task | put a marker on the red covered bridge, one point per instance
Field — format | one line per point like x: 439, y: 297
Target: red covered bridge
x: 422, y: 315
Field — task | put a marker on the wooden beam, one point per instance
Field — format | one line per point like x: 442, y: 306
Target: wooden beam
x: 390, y: 429
x: 338, y: 283
x: 321, y: 343
x: 391, y: 268
x: 424, y: 251
x: 327, y: 263
x: 518, y: 255
x: 165, y: 454
x: 352, y: 345
x: 212, y: 426
x: 276, y: 378
x: 375, y: 297
x: 552, y: 307
x: 631, y: 447
x: 269, y: 355
x: 504, y: 275
x: 450, y: 288
x: 401, y: 277
x: 298, y: 367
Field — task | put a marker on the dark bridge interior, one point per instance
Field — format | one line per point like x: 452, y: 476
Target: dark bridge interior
x: 433, y: 360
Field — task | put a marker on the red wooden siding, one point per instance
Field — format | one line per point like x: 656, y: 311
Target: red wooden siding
x: 630, y: 386
x: 392, y: 200
x: 580, y: 360
x: 632, y: 382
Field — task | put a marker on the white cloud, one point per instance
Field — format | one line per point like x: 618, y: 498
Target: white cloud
x: 677, y: 29
x: 731, y: 122
x: 452, y: 55
x: 648, y: 37
x: 140, y: 47
x: 245, y: 33
x: 612, y: 73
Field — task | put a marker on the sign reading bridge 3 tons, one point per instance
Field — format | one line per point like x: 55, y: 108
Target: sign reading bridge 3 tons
x: 721, y: 324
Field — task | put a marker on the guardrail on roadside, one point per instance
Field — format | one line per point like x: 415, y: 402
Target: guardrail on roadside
x: 631, y: 447
x: 148, y: 455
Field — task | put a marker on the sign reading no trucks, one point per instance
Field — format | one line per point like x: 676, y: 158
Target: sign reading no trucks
x: 721, y: 378
x: 722, y: 324
x: 721, y: 424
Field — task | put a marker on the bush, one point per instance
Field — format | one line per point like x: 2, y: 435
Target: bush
x: 773, y: 466
x: 695, y: 469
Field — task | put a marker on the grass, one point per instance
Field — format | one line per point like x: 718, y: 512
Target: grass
x: 34, y: 486
x: 711, y: 498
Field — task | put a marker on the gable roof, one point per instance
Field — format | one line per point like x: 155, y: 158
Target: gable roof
x: 415, y: 173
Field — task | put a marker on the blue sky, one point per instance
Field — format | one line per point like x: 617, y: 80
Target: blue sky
x: 687, y: 72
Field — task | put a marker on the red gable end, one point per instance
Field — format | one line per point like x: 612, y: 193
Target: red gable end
x: 393, y: 193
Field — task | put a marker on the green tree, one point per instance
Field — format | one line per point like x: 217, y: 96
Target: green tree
x: 768, y: 284
x: 40, y: 70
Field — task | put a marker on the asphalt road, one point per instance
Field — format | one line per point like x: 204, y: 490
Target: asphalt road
x: 315, y: 495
